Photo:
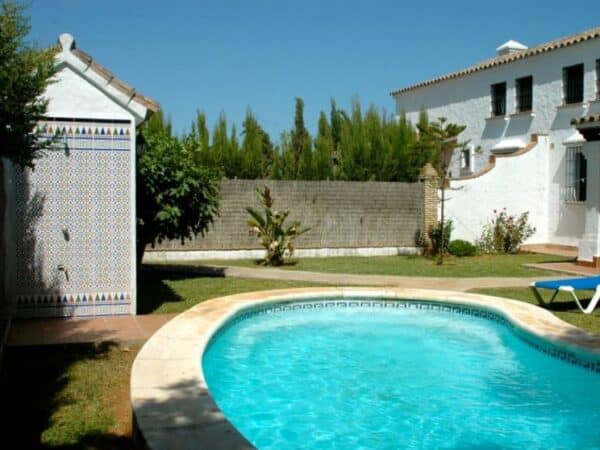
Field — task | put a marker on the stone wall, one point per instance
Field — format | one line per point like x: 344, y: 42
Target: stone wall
x: 340, y: 214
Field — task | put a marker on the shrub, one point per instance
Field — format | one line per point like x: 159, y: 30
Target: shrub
x: 276, y: 238
x: 435, y: 236
x: 505, y: 233
x: 458, y: 247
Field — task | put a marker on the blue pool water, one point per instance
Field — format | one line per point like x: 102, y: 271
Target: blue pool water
x: 373, y: 378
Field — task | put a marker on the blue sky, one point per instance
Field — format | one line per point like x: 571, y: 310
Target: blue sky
x: 230, y: 55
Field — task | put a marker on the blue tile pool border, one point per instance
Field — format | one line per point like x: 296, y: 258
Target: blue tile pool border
x: 577, y: 358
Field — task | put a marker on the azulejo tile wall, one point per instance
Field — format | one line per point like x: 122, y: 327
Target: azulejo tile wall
x: 74, y: 237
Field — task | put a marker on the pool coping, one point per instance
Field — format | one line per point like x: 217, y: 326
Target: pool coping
x: 173, y: 408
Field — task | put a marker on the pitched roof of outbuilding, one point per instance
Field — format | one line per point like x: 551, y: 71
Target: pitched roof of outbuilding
x: 104, y: 79
x: 504, y: 59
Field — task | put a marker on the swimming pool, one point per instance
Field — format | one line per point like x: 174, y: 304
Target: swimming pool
x: 374, y: 368
x: 374, y: 374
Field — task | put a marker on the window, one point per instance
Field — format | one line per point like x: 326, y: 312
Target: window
x: 576, y: 175
x: 499, y: 99
x: 524, y: 94
x: 466, y: 161
x: 573, y: 83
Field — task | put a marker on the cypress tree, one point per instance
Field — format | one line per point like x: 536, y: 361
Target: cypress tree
x: 220, y: 143
x: 323, y: 158
x: 252, y: 144
x: 301, y: 144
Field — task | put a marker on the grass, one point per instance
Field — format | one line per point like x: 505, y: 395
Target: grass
x: 422, y: 266
x: 163, y: 293
x: 563, y: 306
x: 67, y: 396
x: 77, y: 396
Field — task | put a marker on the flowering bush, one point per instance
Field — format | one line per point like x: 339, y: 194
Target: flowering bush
x: 505, y: 233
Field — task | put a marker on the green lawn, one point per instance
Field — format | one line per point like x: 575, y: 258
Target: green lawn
x: 163, y: 292
x: 422, y: 266
x: 67, y: 396
x: 563, y: 307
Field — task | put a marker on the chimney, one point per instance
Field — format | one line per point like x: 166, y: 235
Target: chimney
x: 510, y: 47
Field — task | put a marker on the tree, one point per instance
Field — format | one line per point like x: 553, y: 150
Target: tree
x: 443, y: 138
x: 251, y: 158
x: 301, y: 144
x: 177, y: 198
x: 25, y: 72
x: 322, y: 158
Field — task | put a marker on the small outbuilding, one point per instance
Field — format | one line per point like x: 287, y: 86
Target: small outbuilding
x: 73, y: 218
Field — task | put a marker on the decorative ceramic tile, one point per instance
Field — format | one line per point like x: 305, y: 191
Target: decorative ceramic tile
x: 74, y: 219
x: 550, y: 349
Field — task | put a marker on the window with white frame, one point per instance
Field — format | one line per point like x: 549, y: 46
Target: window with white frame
x: 576, y: 175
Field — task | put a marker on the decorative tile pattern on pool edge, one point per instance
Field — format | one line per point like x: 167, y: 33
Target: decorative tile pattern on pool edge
x: 547, y: 348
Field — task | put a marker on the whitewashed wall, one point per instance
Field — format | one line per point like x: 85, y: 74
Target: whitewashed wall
x: 466, y: 100
x: 512, y: 184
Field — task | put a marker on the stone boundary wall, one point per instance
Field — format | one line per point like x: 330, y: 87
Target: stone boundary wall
x: 340, y: 214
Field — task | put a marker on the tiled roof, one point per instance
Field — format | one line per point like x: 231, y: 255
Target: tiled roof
x: 505, y: 59
x: 67, y: 43
x: 135, y: 96
x: 592, y: 118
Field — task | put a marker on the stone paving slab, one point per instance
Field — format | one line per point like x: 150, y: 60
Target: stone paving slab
x: 83, y: 330
x: 551, y: 249
x: 567, y: 267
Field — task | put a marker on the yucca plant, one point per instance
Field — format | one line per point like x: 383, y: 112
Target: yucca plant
x: 275, y: 237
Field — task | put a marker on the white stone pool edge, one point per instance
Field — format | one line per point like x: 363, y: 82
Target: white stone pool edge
x: 173, y: 408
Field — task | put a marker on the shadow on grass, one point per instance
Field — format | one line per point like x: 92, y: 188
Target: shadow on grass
x: 33, y: 389
x: 152, y: 291
x: 286, y: 263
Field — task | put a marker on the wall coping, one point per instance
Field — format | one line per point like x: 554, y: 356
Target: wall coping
x: 492, y: 159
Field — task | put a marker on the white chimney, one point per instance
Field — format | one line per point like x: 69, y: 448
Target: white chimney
x: 510, y: 47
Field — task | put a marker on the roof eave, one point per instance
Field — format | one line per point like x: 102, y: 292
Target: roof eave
x: 505, y: 59
x: 127, y: 97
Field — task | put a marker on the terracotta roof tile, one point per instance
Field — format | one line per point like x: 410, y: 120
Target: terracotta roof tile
x: 113, y: 81
x: 592, y: 118
x: 505, y: 59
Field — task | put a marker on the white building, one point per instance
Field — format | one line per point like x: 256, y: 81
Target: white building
x: 72, y: 219
x: 522, y: 109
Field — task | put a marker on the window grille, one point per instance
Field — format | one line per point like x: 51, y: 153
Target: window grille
x: 524, y: 94
x: 576, y: 165
x: 573, y: 83
x: 499, y: 99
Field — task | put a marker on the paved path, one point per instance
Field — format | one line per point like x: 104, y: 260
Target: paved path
x: 340, y: 279
x: 80, y: 330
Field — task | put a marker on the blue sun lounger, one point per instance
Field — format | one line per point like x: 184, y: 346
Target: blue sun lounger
x: 570, y: 285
